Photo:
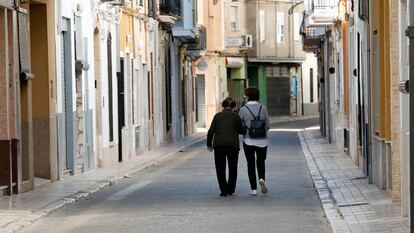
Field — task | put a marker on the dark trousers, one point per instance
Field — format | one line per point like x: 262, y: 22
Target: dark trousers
x: 221, y: 153
x: 255, y: 154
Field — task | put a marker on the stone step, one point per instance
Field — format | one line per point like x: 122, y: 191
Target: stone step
x: 3, y: 190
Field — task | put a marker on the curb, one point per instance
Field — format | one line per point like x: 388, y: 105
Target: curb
x: 328, y: 202
x: 51, y: 208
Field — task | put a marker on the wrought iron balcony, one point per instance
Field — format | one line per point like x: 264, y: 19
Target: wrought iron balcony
x: 199, y: 44
x: 320, y: 12
x: 312, y: 37
x: 324, y: 4
x: 170, y: 7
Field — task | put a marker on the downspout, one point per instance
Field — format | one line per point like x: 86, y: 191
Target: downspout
x: 410, y: 34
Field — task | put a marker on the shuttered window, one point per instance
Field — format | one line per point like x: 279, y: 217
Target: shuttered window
x: 6, y: 3
x: 110, y: 97
x: 280, y: 30
x: 78, y: 38
x: 25, y: 63
x: 262, y: 25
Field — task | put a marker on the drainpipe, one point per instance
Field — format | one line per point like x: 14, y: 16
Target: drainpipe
x: 368, y: 124
x: 410, y: 34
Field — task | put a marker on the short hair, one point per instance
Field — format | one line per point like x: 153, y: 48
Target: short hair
x: 252, y: 93
x: 232, y: 104
x: 227, y: 102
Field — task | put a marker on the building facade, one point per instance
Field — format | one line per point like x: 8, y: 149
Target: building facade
x: 361, y: 51
x: 275, y: 61
x: 93, y: 83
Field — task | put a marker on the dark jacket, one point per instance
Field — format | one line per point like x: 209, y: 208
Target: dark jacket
x: 225, y: 129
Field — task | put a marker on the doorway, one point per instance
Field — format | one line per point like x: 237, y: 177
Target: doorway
x: 201, y: 101
x: 66, y: 125
x: 121, y: 108
x: 42, y: 92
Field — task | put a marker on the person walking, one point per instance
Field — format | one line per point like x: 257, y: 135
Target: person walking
x: 223, y: 138
x: 255, y: 141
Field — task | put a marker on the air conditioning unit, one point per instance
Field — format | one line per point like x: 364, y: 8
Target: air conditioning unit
x: 247, y: 41
x: 115, y: 2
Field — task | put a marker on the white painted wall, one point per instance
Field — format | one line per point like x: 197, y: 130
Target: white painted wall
x: 310, y: 62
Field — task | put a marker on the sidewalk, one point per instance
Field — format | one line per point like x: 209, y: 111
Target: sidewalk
x: 283, y: 119
x: 22, y: 210
x: 350, y: 203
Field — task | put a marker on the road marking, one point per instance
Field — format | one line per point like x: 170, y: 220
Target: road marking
x: 121, y: 194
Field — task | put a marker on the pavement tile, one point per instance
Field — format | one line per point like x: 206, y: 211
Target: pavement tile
x: 363, y: 207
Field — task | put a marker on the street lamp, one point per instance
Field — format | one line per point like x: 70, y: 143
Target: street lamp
x: 290, y: 11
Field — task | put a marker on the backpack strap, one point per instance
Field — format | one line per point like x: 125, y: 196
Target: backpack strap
x: 250, y: 111
x: 260, y: 109
x: 258, y: 115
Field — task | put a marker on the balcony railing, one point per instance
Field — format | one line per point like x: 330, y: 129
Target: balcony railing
x: 312, y: 37
x: 313, y: 32
x: 323, y: 4
x: 170, y: 7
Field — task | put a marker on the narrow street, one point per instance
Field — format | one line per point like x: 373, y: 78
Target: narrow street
x: 181, y: 195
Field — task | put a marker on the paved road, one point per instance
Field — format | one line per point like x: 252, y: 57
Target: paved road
x: 181, y: 195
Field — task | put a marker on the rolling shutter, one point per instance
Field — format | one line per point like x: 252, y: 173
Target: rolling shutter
x: 278, y: 91
x: 63, y: 98
x: 201, y: 101
x: 25, y: 64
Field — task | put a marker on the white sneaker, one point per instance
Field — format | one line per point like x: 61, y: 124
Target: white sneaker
x: 253, y: 193
x: 263, y: 186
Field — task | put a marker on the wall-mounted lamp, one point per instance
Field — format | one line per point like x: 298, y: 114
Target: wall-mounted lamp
x: 24, y: 1
x: 404, y: 87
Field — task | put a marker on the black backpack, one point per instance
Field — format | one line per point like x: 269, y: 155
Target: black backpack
x: 257, y: 127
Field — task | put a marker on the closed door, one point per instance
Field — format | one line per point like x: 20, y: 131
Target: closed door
x: 63, y: 132
x: 201, y: 101
x: 278, y: 96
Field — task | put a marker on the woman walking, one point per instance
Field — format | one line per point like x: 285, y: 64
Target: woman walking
x: 256, y: 119
x: 223, y: 137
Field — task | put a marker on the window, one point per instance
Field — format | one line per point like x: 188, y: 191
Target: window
x: 262, y: 25
x: 280, y: 27
x: 110, y: 98
x: 234, y: 17
x: 297, y: 21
